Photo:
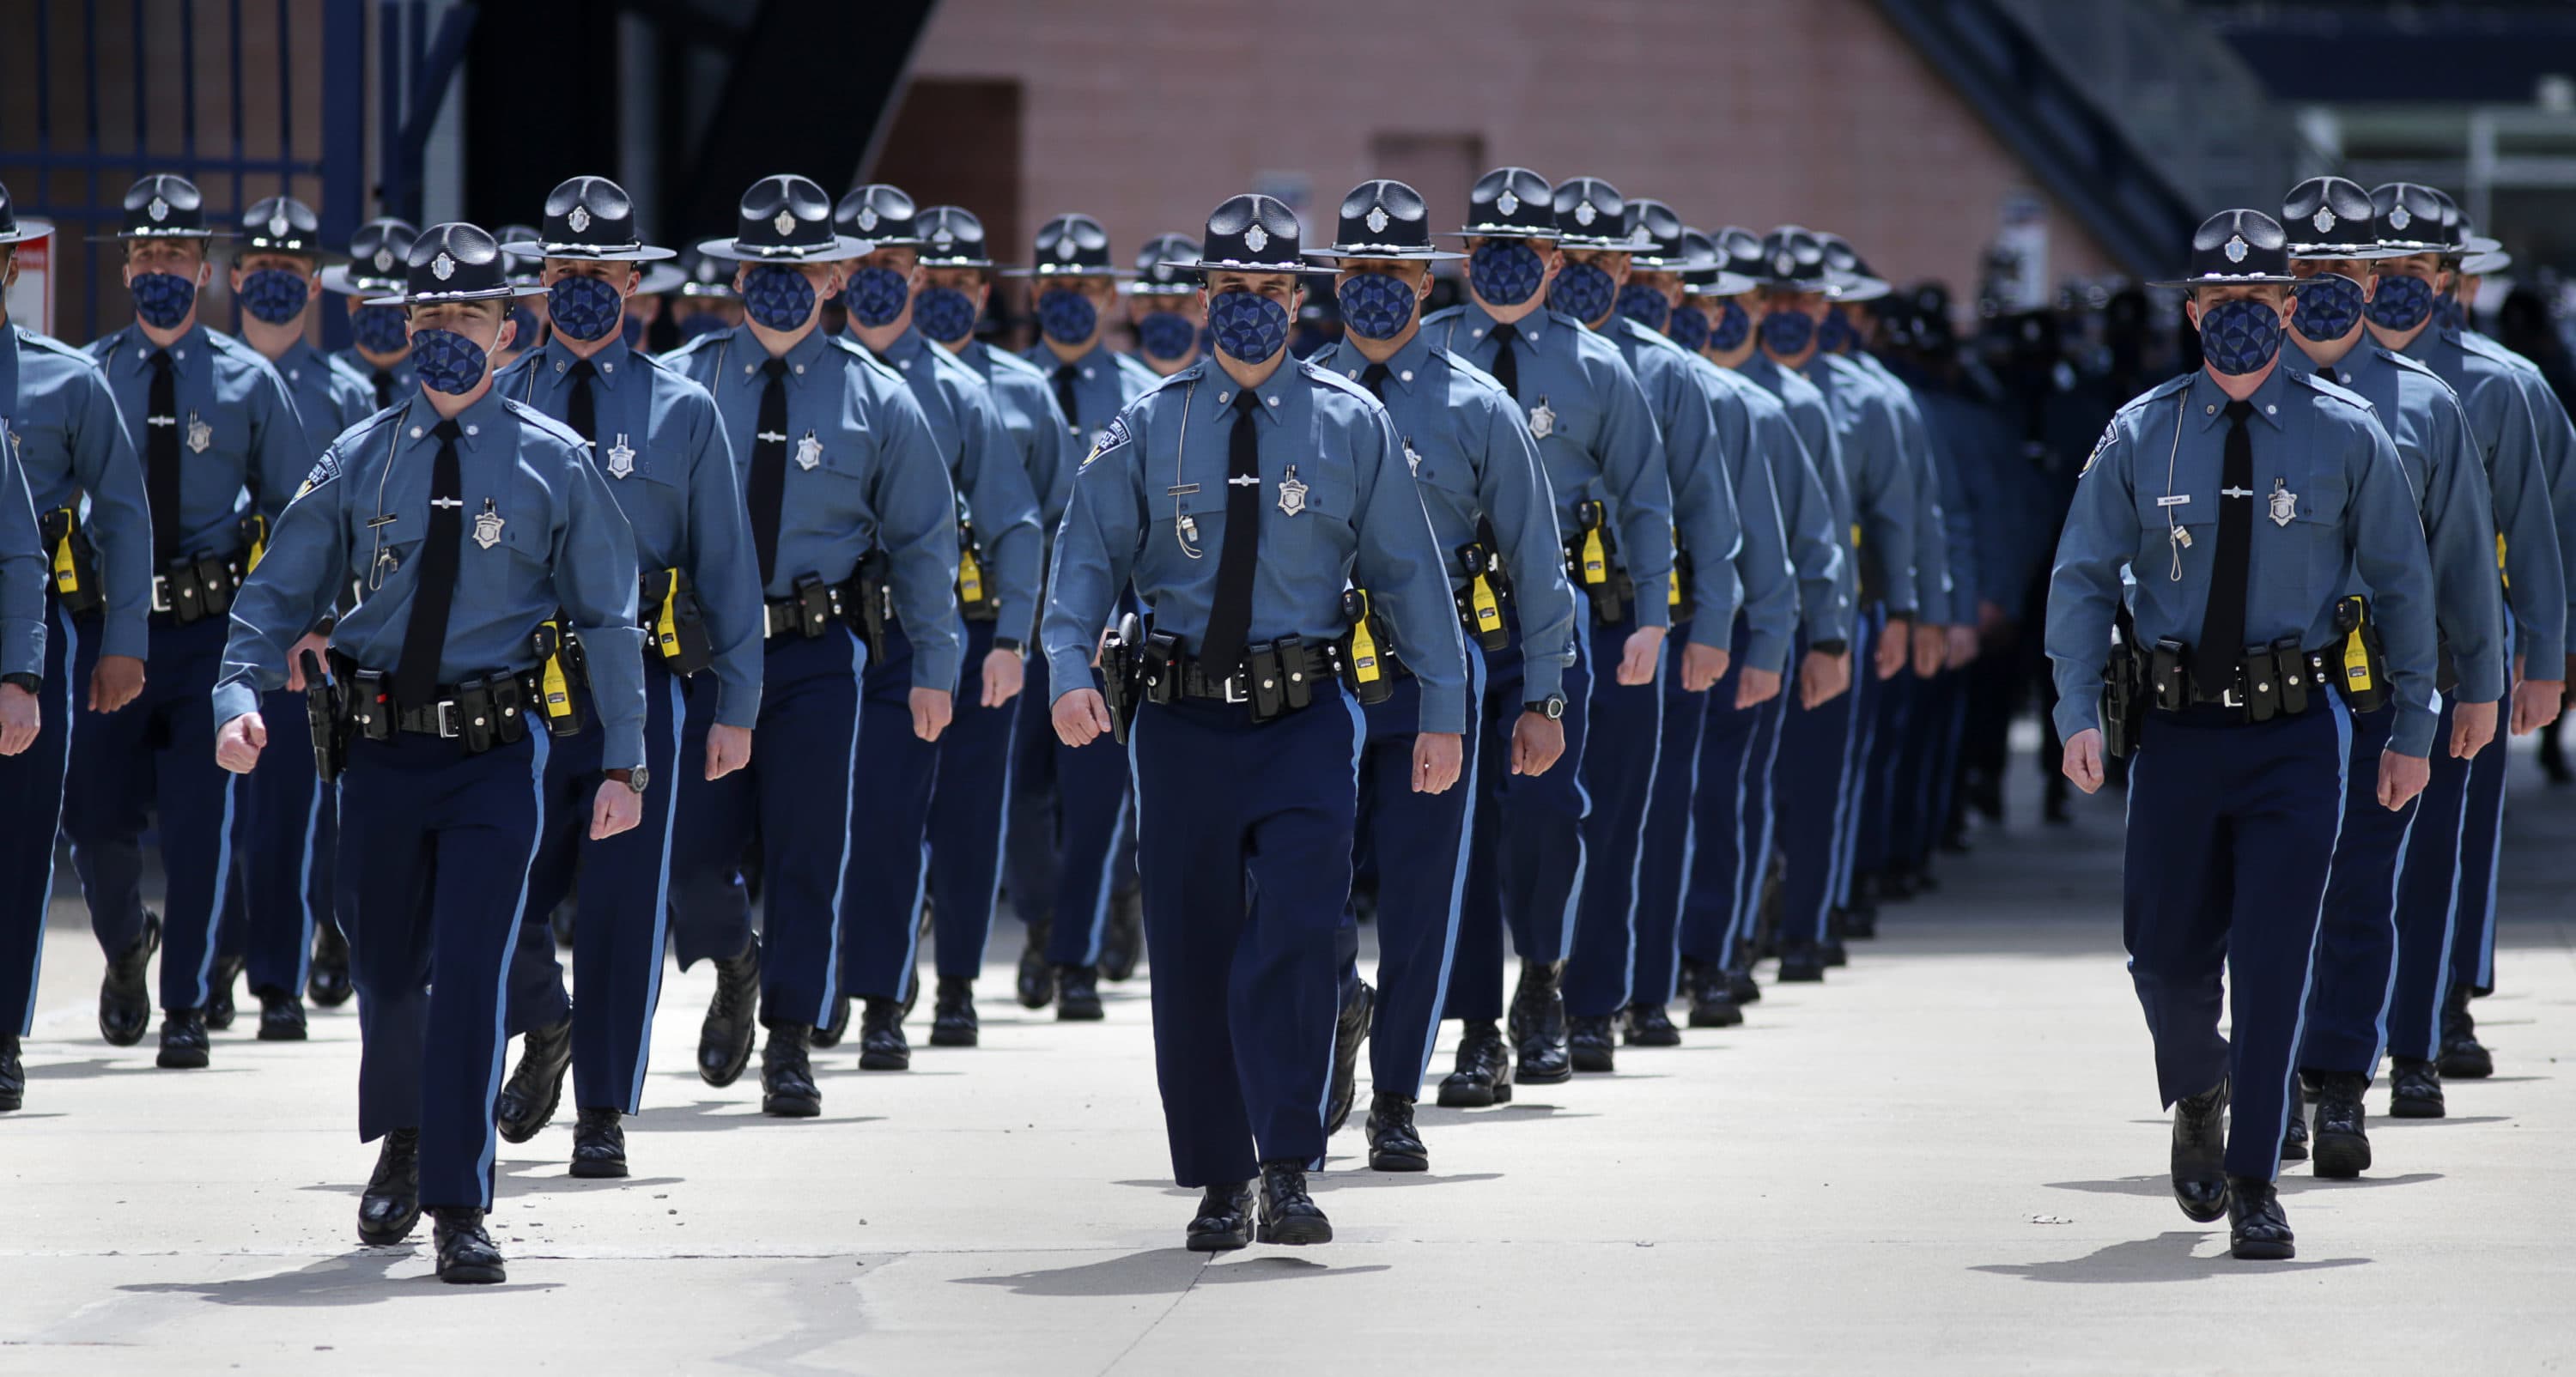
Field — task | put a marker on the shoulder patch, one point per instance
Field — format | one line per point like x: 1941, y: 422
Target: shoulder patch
x: 325, y: 469
x: 2109, y: 432
x: 2167, y: 388
x: 1110, y: 437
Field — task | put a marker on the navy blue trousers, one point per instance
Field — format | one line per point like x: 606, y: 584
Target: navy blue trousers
x: 2357, y: 941
x: 1915, y: 802
x: 1869, y: 694
x: 152, y: 764
x: 1731, y: 815
x: 2481, y: 850
x: 1525, y: 853
x: 796, y: 800
x: 2429, y: 899
x: 1422, y: 843
x: 286, y: 847
x: 970, y: 814
x: 1072, y: 828
x: 1670, y: 847
x: 1244, y: 838
x: 1892, y: 728
x: 2231, y: 835
x: 31, y: 798
x: 437, y: 844
x: 1619, y: 758
x: 1811, y: 781
x: 625, y: 896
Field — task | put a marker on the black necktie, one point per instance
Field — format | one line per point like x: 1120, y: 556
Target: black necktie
x: 1373, y: 378
x: 769, y: 468
x: 581, y: 411
x: 1064, y: 397
x: 161, y: 459
x: 434, y: 585
x: 1507, y: 367
x: 384, y: 389
x: 2222, y: 623
x: 1221, y: 649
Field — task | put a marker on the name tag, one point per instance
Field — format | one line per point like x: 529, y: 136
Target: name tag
x: 2182, y: 500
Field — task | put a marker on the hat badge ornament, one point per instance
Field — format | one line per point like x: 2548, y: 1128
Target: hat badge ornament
x: 442, y: 267
x: 384, y: 260
x: 277, y: 224
x: 579, y: 219
x: 785, y: 223
x: 1162, y: 272
x: 2236, y: 248
x: 159, y: 210
x: 1256, y: 239
x: 943, y: 240
x: 1377, y: 221
x: 1507, y: 203
x: 1065, y: 248
x: 1584, y: 214
x: 867, y: 217
x: 1785, y: 264
x: 2325, y: 221
x: 2399, y: 219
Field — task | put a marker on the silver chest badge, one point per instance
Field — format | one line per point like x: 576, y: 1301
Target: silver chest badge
x: 1542, y: 419
x: 809, y: 451
x: 621, y: 457
x: 2285, y: 503
x: 1292, y: 494
x: 487, y: 525
x: 201, y: 436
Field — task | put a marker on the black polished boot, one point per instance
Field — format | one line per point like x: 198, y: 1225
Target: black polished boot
x: 2294, y: 1137
x: 1037, y: 976
x: 1538, y: 1024
x: 124, y: 1000
x: 1832, y: 953
x: 787, y: 1088
x: 2257, y: 1230
x: 1740, y: 985
x: 466, y: 1255
x: 882, y: 1045
x: 1125, y: 939
x: 1350, y: 1029
x: 528, y: 1101
x: 390, y: 1205
x: 1394, y: 1144
x: 828, y: 1034
x: 724, y: 1040
x: 1801, y: 963
x: 2200, y: 1153
x: 2463, y: 1058
x: 1288, y: 1214
x: 2414, y: 1089
x: 1591, y: 1043
x: 1077, y: 995
x: 1650, y: 1026
x: 952, y: 1017
x: 13, y: 1075
x: 2342, y: 1132
x: 183, y: 1040
x: 598, y: 1144
x: 328, y: 984
x: 219, y: 998
x: 1484, y: 1074
x: 1224, y: 1220
x: 281, y: 1017
x: 1714, y: 1006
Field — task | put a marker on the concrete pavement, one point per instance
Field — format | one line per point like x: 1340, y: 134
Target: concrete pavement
x: 1949, y: 1158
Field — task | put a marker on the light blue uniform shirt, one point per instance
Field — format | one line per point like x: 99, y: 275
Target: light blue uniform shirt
x: 2557, y: 440
x: 1816, y: 556
x: 2509, y: 444
x: 1882, y: 479
x: 985, y: 468
x: 673, y: 473
x: 2350, y: 509
x: 1596, y: 434
x: 876, y: 481
x: 1358, y: 519
x: 2423, y: 418
x: 559, y: 547
x: 328, y: 397
x: 1700, y: 468
x: 24, y: 570
x: 1811, y: 422
x: 70, y: 442
x: 1764, y: 570
x: 1933, y: 583
x: 231, y: 399
x: 1475, y: 462
x: 1048, y: 451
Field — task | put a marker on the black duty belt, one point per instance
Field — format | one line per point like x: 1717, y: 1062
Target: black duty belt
x: 863, y: 601
x: 483, y: 712
x: 189, y: 590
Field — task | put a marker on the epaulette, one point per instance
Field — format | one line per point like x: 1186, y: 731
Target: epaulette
x: 2160, y: 391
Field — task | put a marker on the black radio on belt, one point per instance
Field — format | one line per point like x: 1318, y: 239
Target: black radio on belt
x: 367, y: 701
x: 815, y: 606
x: 675, y: 622
x: 72, y: 561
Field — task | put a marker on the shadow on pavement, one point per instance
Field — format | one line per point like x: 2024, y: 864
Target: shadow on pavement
x: 93, y: 1068
x: 2166, y: 1257
x: 1161, y: 1272
x: 703, y: 1116
x: 2159, y: 1187
x: 1433, y: 1116
x: 359, y: 1278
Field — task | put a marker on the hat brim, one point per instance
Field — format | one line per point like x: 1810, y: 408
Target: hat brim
x: 1386, y: 252
x: 1724, y: 284
x: 661, y: 281
x: 1048, y: 270
x: 1145, y: 286
x: 1549, y: 234
x: 2483, y: 243
x: 507, y: 291
x: 160, y: 234
x: 1854, y: 287
x: 1205, y: 265
x: 591, y: 253
x: 2480, y: 264
x: 336, y: 279
x: 2408, y: 248
x: 28, y: 231
x: 952, y: 261
x: 1822, y: 286
x: 2320, y: 253
x: 842, y: 249
x: 2231, y: 280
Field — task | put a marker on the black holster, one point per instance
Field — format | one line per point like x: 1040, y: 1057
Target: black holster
x: 563, y: 683
x: 1122, y: 670
x: 2124, y: 698
x: 676, y: 623
x: 323, y: 718
x: 71, y: 561
x: 873, y: 598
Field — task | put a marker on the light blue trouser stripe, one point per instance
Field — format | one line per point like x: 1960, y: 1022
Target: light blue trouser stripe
x: 45, y: 900
x: 661, y: 902
x: 2493, y: 920
x: 1582, y: 853
x: 1359, y: 745
x: 849, y: 806
x: 501, y: 974
x: 215, y: 901
x: 1690, y: 853
x: 1108, y: 879
x: 912, y: 916
x: 2396, y: 879
x: 1748, y: 894
x: 1637, y: 856
x: 305, y: 875
x: 1846, y: 790
x: 1466, y: 843
x: 2316, y: 933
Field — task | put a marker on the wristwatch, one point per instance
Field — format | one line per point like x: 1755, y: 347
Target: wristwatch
x: 34, y: 684
x: 1552, y: 707
x: 636, y: 779
x: 1012, y: 644
x: 1829, y: 647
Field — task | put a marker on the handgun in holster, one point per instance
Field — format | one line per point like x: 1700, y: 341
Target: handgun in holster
x: 74, y: 561
x: 875, y: 599
x: 2124, y: 704
x: 562, y: 679
x: 1677, y: 594
x: 323, y: 719
x: 676, y: 622
x: 1480, y: 604
x: 2364, y: 663
x: 976, y: 599
x: 254, y: 540
x: 1592, y: 559
x: 1368, y: 661
x: 1122, y: 675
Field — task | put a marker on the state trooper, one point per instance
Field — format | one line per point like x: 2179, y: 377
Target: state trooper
x: 1076, y: 926
x: 1719, y: 936
x: 59, y: 422
x: 1603, y: 459
x: 1281, y: 549
x: 2460, y: 824
x: 854, y: 525
x: 26, y: 575
x: 211, y: 419
x: 380, y: 343
x: 1489, y: 507
x: 656, y: 438
x: 1821, y: 795
x: 283, y: 926
x: 930, y: 822
x: 2333, y: 245
x: 2241, y: 552
x: 1162, y: 304
x: 1625, y: 749
x: 499, y: 530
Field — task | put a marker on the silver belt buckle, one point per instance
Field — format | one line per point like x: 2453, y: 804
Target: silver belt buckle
x: 447, y: 728
x: 2229, y: 699
x: 1235, y: 690
x: 161, y: 594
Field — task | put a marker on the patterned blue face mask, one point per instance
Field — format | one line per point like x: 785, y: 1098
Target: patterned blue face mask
x: 447, y: 361
x: 1067, y: 316
x: 1166, y: 334
x: 584, y: 307
x: 2240, y: 335
x: 2401, y: 303
x: 1836, y: 335
x: 944, y: 314
x: 274, y: 295
x: 1645, y: 305
x: 2329, y: 307
x: 1788, y: 333
x: 1248, y: 325
x: 164, y: 299
x: 702, y: 323
x: 1376, y: 305
x: 778, y: 297
x: 1732, y: 327
x: 380, y: 329
x: 1505, y: 272
x: 876, y: 296
x: 1688, y: 327
x: 1581, y: 291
